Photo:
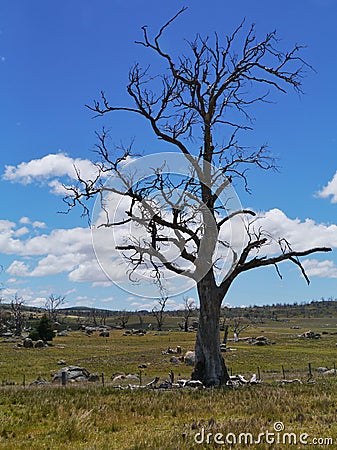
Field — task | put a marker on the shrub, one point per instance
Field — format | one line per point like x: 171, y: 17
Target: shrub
x: 34, y: 335
x: 44, y: 330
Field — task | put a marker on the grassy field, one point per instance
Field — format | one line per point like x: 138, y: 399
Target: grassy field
x: 93, y: 416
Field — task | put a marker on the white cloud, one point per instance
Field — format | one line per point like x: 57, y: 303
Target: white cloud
x: 49, y: 167
x: 82, y: 297
x: 21, y: 231
x: 24, y: 220
x: 53, y: 264
x: 38, y: 302
x: 107, y: 300
x: 322, y: 269
x: 38, y: 224
x: 330, y: 190
x: 11, y: 280
x: 70, y: 251
x: 302, y: 234
x: 105, y: 284
x: 18, y: 269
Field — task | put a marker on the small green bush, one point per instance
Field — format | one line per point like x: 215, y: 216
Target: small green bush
x: 43, y: 330
x: 34, y: 335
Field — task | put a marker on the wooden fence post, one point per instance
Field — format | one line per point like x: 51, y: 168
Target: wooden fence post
x: 283, y: 373
x: 64, y: 378
x: 171, y: 375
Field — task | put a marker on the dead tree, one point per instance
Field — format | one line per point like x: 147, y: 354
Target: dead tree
x: 189, y: 308
x: 123, y: 318
x: 238, y: 325
x: 141, y: 320
x: 52, y: 306
x: 200, y: 105
x: 158, y: 312
x: 18, y: 315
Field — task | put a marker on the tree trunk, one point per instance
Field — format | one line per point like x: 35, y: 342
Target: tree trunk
x: 209, y: 364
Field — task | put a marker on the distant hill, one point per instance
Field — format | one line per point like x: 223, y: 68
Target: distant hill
x: 315, y: 308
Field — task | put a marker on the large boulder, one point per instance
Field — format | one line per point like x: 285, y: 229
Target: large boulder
x: 39, y: 344
x: 75, y: 373
x: 28, y: 343
x: 104, y: 333
x: 189, y: 358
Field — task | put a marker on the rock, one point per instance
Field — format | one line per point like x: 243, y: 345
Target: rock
x: 260, y: 343
x: 195, y: 384
x: 175, y: 360
x: 74, y: 373
x: 195, y: 324
x: 7, y: 334
x: 130, y: 376
x: 104, y: 334
x: 330, y: 372
x: 125, y: 378
x: 28, y: 343
x: 260, y: 338
x: 142, y: 366
x: 310, y: 335
x: 189, y: 358
x: 165, y: 385
x: 322, y: 369
x: 39, y: 344
x: 93, y: 377
x: 139, y: 332
x: 62, y: 333
x: 39, y: 381
x: 61, y: 362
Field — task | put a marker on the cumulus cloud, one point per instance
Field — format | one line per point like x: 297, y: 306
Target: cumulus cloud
x: 322, y: 269
x: 107, y: 300
x: 70, y: 251
x: 330, y: 190
x: 21, y: 231
x: 50, y: 169
x: 24, y: 220
x: 18, y: 269
x: 300, y: 233
x: 50, y: 166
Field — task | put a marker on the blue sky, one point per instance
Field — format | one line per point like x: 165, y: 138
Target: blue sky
x: 55, y: 58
